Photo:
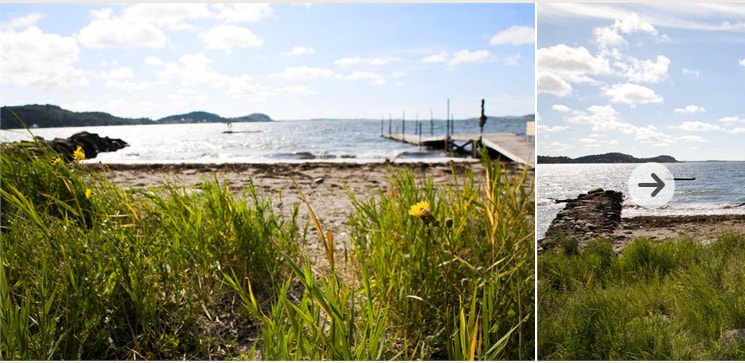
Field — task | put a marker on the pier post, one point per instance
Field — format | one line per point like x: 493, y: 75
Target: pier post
x: 431, y: 124
x: 420, y: 133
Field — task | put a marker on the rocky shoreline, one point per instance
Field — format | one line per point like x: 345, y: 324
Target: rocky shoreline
x: 92, y: 145
x: 597, y: 214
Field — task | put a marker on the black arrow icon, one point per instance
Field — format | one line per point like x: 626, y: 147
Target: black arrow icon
x: 658, y: 185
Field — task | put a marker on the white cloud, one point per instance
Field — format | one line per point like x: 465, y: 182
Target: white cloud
x: 33, y: 58
x: 693, y: 139
x: 514, y: 35
x: 691, y: 72
x: 459, y: 57
x: 399, y: 74
x: 608, y: 37
x: 153, y: 61
x: 589, y: 142
x: 631, y: 94
x: 633, y: 23
x: 193, y: 70
x: 101, y: 14
x: 297, y: 51
x: 546, y: 128
x: 373, y: 77
x: 561, y: 108
x: 173, y: 16
x: 611, y: 36
x: 731, y: 119
x: 644, y: 70
x: 602, y: 119
x: 690, y: 109
x: 144, y: 24
x: 571, y: 64
x: 22, y: 22
x: 118, y: 73
x: 737, y: 130
x: 650, y: 134
x: 742, y: 62
x: 304, y: 72
x: 227, y: 37
x: 121, y: 33
x: 441, y: 57
x: 605, y: 119
x: 374, y: 61
x: 698, y: 126
x: 558, y: 147
x: 139, y: 25
x: 466, y: 56
x: 243, y: 12
x: 552, y: 83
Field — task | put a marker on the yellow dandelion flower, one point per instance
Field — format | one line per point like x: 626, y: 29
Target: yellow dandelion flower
x: 88, y: 193
x: 78, y: 154
x: 420, y: 209
x: 57, y: 161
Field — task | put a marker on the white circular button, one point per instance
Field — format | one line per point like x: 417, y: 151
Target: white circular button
x: 651, y: 185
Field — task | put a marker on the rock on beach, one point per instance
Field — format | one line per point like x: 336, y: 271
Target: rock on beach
x: 594, y: 214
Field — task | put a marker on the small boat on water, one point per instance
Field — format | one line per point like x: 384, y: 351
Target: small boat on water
x: 684, y: 178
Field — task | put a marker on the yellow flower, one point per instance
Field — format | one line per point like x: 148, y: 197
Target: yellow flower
x: 58, y: 160
x: 88, y: 193
x: 420, y: 209
x: 78, y: 154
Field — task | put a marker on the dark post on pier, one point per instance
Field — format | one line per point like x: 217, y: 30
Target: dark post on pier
x: 482, y: 119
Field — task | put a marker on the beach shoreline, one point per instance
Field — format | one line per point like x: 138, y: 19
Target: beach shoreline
x: 326, y: 185
x: 598, y: 214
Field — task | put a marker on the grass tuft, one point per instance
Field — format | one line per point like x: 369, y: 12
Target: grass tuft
x: 655, y: 301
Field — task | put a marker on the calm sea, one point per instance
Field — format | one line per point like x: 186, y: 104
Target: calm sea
x: 270, y: 142
x: 719, y: 188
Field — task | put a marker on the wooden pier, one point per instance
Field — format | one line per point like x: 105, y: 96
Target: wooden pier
x: 506, y: 145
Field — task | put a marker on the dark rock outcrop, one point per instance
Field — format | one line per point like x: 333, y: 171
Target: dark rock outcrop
x: 92, y: 145
x: 593, y: 215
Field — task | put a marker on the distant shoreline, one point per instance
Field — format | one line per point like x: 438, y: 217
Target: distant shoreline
x: 607, y: 158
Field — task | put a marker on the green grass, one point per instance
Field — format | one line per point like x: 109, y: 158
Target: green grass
x: 182, y: 273
x: 655, y: 301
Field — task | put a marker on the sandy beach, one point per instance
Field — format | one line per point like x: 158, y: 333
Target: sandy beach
x: 326, y: 185
x: 703, y: 228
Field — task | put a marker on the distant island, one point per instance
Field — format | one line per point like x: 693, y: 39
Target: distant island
x: 607, y: 158
x: 55, y: 116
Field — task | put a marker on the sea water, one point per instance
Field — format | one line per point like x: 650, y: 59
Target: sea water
x: 355, y: 141
x: 718, y: 188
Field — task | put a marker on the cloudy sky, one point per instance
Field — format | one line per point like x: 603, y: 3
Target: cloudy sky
x: 291, y: 61
x: 642, y: 79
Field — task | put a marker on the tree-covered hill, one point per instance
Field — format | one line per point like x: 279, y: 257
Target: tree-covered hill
x: 606, y: 158
x: 55, y: 116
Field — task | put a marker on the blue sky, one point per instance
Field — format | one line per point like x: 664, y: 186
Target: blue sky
x: 643, y: 79
x: 290, y: 61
